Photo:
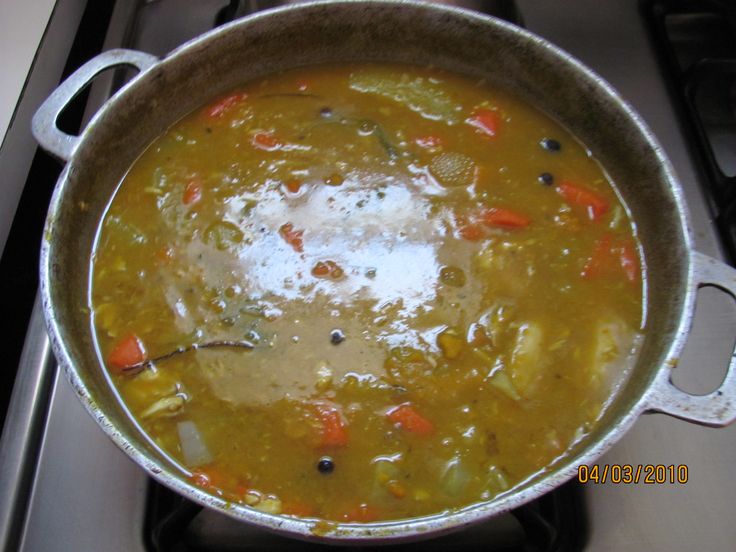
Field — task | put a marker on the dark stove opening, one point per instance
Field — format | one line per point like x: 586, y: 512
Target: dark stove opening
x: 555, y: 522
x: 696, y: 43
x: 19, y: 263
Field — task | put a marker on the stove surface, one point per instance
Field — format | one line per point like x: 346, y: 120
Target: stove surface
x: 84, y: 494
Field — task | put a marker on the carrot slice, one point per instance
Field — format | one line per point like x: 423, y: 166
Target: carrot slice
x: 600, y: 260
x: 409, y: 419
x: 266, y: 141
x: 192, y: 192
x: 486, y: 121
x: 128, y: 352
x: 293, y: 237
x: 334, y: 428
x: 504, y: 218
x: 470, y: 232
x: 609, y: 258
x: 324, y: 269
x: 293, y: 185
x: 223, y: 105
x: 595, y: 205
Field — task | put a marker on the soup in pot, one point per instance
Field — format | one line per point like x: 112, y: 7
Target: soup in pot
x: 366, y: 292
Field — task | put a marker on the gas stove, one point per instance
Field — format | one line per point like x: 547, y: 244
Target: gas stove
x: 65, y: 486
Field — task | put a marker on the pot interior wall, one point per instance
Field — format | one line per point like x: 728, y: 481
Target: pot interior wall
x: 341, y: 32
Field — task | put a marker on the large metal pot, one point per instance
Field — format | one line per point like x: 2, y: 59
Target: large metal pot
x: 413, y: 32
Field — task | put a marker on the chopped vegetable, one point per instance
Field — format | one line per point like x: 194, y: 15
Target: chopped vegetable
x: 192, y: 192
x: 486, y: 121
x: 594, y: 204
x: 334, y: 427
x: 328, y: 269
x: 193, y: 448
x: 225, y: 104
x: 418, y: 93
x: 600, y: 260
x: 410, y: 420
x: 450, y: 343
x: 293, y: 185
x: 128, y: 352
x: 471, y: 231
x: 293, y: 237
x: 455, y: 477
x: 504, y: 218
x: 609, y: 257
x: 525, y: 366
x: 168, y: 406
x: 396, y: 488
x: 501, y: 381
x: 224, y: 235
x: 269, y: 505
x: 266, y: 141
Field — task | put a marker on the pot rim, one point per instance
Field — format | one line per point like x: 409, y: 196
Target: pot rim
x: 404, y: 529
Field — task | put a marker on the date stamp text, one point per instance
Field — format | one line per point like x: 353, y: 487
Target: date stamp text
x: 631, y: 474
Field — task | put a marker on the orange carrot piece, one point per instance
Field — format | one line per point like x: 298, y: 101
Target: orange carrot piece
x: 334, y: 428
x: 293, y: 237
x: 218, y: 108
x: 324, y: 269
x: 595, y: 205
x: 192, y: 192
x: 504, y: 218
x: 486, y: 121
x: 266, y: 141
x: 600, y: 259
x: 293, y: 185
x: 128, y: 352
x: 409, y: 419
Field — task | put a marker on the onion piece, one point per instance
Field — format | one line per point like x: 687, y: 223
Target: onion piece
x: 193, y: 447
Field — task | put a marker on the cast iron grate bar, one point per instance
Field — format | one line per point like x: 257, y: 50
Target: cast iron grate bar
x: 555, y: 522
x: 696, y: 41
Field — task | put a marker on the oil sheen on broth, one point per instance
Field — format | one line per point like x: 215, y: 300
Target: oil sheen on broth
x: 442, y: 290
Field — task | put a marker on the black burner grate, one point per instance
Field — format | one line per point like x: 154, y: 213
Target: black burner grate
x: 696, y: 40
x: 555, y: 522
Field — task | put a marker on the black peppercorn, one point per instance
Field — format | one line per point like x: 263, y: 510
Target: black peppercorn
x: 550, y: 144
x: 546, y: 178
x: 325, y: 465
x: 337, y: 337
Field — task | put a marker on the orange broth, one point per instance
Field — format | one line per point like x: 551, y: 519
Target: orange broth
x: 410, y: 292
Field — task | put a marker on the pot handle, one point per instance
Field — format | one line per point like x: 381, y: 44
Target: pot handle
x: 44, y: 126
x: 718, y: 408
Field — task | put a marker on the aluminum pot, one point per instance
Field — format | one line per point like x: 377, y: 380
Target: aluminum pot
x: 166, y: 89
